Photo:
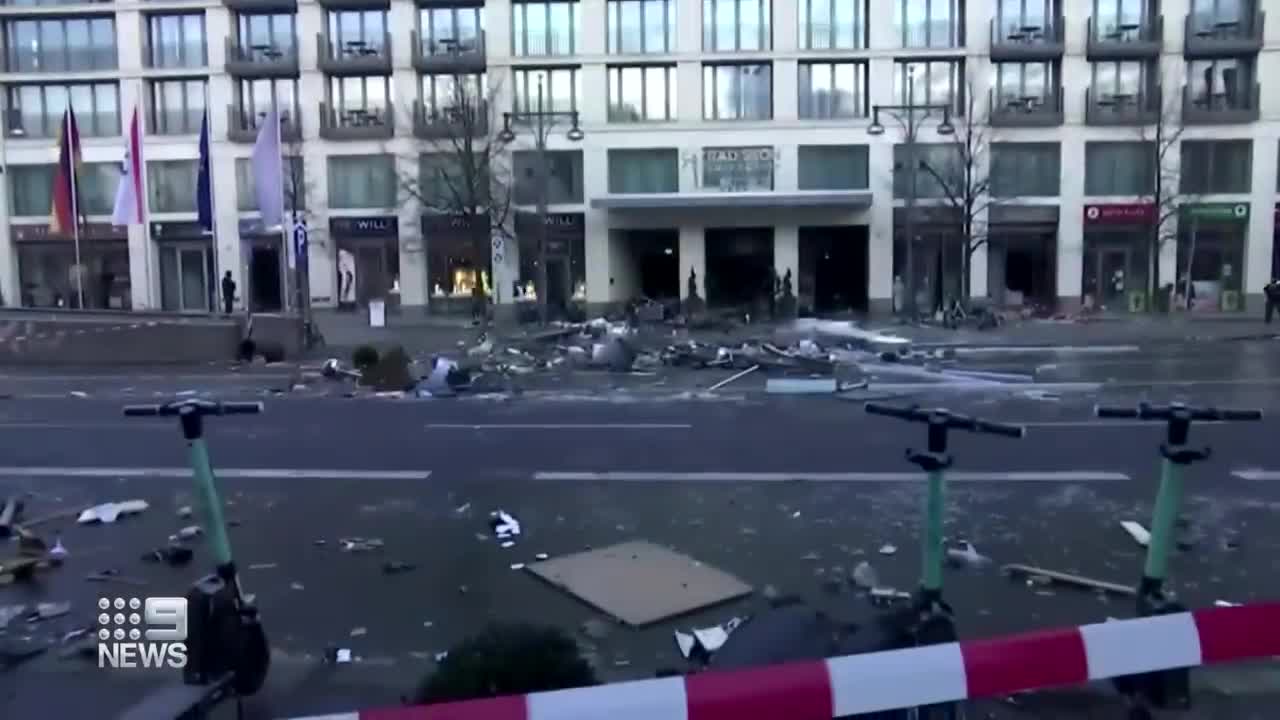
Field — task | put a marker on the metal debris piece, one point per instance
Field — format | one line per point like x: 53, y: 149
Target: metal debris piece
x: 865, y: 576
x: 888, y: 549
x: 50, y: 610
x: 733, y: 378
x: 1137, y: 532
x: 108, y: 513
x: 966, y: 555
x: 357, y: 544
x: 58, y: 551
x: 358, y: 632
x: 885, y: 596
x: 1070, y: 579
x: 9, y: 612
x: 801, y: 386
x: 184, y: 511
x: 517, y: 566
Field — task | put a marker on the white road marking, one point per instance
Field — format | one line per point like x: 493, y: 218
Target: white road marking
x: 561, y: 426
x: 1033, y: 476
x: 1257, y: 474
x: 240, y: 473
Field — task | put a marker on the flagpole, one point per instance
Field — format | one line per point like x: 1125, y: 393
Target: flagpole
x: 144, y: 204
x: 214, y: 294
x: 75, y: 205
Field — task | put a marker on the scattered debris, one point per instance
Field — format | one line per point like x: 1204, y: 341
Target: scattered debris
x: 1070, y: 579
x: 1137, y: 532
x: 49, y: 610
x: 888, y: 549
x: 964, y: 554
x: 1216, y: 603
x: 9, y: 612
x: 517, y: 566
x: 79, y: 394
x: 184, y: 511
x: 541, y: 556
x: 173, y: 555
x: 733, y: 378
x: 264, y: 566
x: 108, y: 513
x: 396, y: 567
x: 865, y: 576
x: 112, y: 575
x: 10, y: 513
x: 357, y: 544
x: 886, y: 596
x: 58, y: 551
x: 360, y: 631
x: 189, y: 532
x: 701, y: 643
x: 504, y: 526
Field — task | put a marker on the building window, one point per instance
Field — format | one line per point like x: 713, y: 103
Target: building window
x: 1020, y: 83
x: 655, y: 170
x: 1120, y: 80
x: 460, y: 26
x: 1119, y: 168
x: 357, y: 32
x: 833, y: 90
x: 642, y: 93
x: 440, y: 182
x: 171, y: 185
x: 929, y: 23
x: 1216, y: 166
x: 441, y: 92
x: 372, y: 94
x: 364, y: 182
x: 545, y: 28
x: 833, y: 167
x: 295, y: 196
x: 177, y: 106
x: 938, y: 171
x: 1015, y: 19
x: 61, y: 45
x: 560, y: 89
x: 641, y: 26
x: 256, y: 98
x: 833, y: 25
x: 736, y: 25
x: 31, y: 188
x: 564, y: 177
x: 1025, y: 170
x: 1225, y: 83
x: 36, y: 110
x: 1113, y: 15
x: 267, y: 33
x: 1215, y: 16
x: 737, y: 92
x: 939, y: 82
x: 176, y: 41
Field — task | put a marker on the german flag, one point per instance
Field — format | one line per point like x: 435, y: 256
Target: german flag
x: 63, y: 218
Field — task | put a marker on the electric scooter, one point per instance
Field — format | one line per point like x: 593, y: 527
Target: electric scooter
x: 227, y: 650
x: 794, y: 632
x: 1169, y: 689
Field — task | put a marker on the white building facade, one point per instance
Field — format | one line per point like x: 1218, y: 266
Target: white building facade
x: 725, y: 146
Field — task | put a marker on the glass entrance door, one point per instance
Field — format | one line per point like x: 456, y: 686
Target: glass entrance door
x: 1113, y: 267
x: 185, y: 277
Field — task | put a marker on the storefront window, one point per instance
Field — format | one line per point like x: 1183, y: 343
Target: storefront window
x: 1213, y: 258
x: 47, y: 273
x: 566, y: 265
x: 455, y: 271
x: 1116, y: 265
x: 368, y: 269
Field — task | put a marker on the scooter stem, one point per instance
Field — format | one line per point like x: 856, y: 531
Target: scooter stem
x: 935, y: 499
x: 217, y: 527
x: 1168, y: 500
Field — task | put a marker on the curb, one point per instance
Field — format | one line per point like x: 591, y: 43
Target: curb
x: 875, y: 682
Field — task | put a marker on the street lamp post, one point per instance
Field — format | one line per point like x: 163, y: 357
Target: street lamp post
x: 911, y: 115
x: 543, y: 121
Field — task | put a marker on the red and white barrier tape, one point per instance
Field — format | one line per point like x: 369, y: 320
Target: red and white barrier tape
x: 852, y: 684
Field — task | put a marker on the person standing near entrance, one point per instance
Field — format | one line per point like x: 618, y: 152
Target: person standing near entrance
x: 228, y: 293
x: 1272, y: 296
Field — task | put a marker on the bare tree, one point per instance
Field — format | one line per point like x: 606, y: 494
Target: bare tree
x: 299, y: 188
x: 460, y: 171
x: 1164, y: 141
x: 963, y: 178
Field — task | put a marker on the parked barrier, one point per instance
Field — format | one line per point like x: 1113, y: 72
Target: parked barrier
x: 841, y: 686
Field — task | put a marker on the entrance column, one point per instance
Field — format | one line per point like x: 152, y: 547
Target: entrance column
x: 693, y: 257
x: 786, y: 254
x: 978, y: 261
x: 880, y: 235
x: 1071, y: 227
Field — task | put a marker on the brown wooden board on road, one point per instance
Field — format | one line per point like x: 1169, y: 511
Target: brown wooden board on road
x: 640, y: 583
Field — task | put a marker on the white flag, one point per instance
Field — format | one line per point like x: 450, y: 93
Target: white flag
x: 128, y: 207
x: 268, y: 175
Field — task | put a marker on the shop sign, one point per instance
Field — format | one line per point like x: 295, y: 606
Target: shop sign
x: 88, y: 231
x: 738, y: 169
x: 1217, y: 212
x: 1130, y: 214
x: 178, y: 231
x: 356, y: 227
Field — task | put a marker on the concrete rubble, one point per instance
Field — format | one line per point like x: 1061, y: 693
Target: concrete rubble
x: 805, y: 356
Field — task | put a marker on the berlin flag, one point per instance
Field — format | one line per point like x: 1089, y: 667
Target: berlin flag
x: 129, y: 196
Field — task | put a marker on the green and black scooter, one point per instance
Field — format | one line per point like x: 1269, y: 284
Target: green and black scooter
x: 227, y: 650
x: 1169, y: 689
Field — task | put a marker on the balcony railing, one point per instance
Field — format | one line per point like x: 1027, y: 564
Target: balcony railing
x: 1028, y: 40
x: 1221, y: 108
x: 1223, y: 37
x: 1120, y: 108
x: 440, y: 125
x: 355, y: 4
x: 466, y: 55
x: 354, y: 57
x: 262, y: 6
x: 1125, y: 41
x: 261, y: 61
x: 242, y: 125
x: 1030, y: 110
x: 356, y: 123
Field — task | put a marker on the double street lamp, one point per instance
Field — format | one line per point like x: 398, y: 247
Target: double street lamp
x: 541, y: 121
x: 911, y: 116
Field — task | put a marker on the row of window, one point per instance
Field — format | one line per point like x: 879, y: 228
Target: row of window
x: 370, y: 181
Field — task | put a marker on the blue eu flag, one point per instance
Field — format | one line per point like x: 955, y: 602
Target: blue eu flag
x: 204, y: 181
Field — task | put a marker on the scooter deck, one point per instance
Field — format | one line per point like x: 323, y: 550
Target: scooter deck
x: 180, y: 701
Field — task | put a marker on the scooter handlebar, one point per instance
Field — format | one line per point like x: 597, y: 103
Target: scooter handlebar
x: 204, y: 407
x: 958, y: 422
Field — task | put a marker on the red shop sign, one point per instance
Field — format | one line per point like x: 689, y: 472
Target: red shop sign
x: 1133, y: 214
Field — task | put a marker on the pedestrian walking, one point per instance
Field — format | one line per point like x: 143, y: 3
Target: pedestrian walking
x: 1272, y: 295
x: 228, y: 293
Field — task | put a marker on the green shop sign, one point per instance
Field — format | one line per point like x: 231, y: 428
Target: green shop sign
x: 1217, y: 212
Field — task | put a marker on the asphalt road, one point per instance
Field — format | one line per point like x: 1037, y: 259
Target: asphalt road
x: 780, y: 491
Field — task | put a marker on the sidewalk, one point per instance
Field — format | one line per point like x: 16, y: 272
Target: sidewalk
x: 1142, y: 330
